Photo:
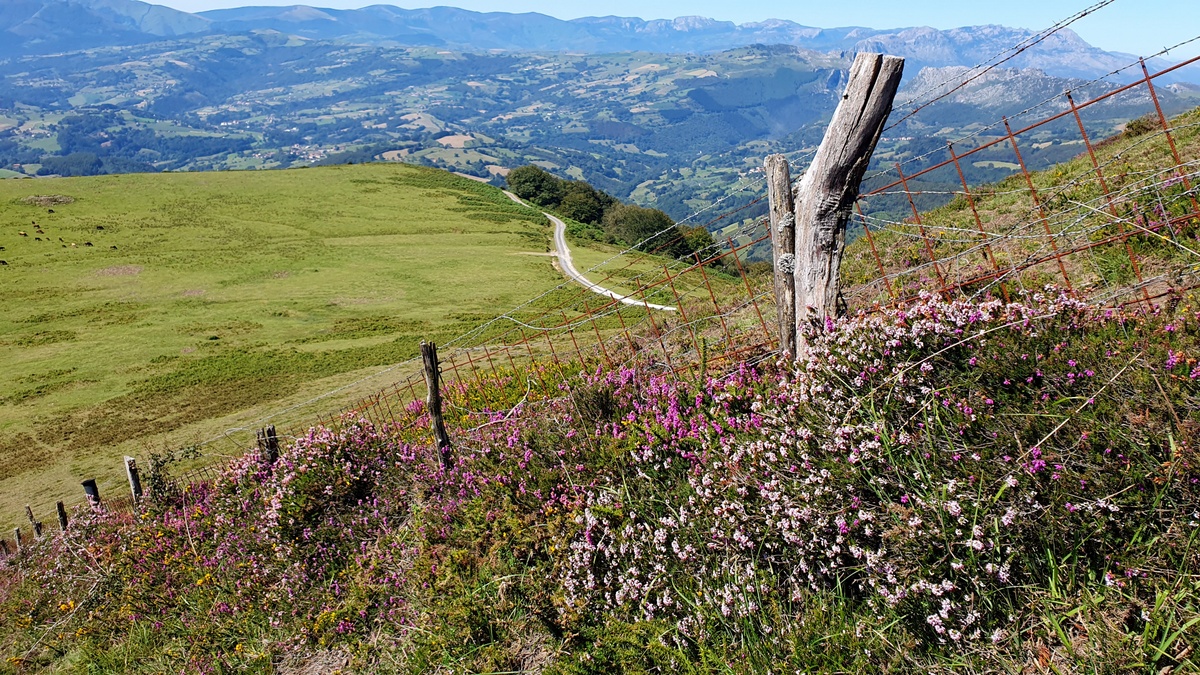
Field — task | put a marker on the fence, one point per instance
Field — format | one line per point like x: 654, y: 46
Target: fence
x: 1115, y: 235
x: 1066, y: 229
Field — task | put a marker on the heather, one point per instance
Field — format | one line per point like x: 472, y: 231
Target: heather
x: 947, y: 486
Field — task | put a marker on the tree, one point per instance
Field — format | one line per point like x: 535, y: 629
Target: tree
x: 633, y: 225
x: 537, y: 185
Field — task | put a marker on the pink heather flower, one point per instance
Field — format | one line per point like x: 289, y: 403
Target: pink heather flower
x: 1172, y: 358
x: 953, y: 508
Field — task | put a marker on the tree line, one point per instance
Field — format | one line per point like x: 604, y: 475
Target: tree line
x: 601, y: 217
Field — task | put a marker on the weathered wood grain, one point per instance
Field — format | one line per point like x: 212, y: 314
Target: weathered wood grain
x: 783, y: 246
x: 830, y: 186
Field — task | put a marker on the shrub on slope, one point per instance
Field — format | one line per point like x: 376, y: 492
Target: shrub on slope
x: 947, y: 486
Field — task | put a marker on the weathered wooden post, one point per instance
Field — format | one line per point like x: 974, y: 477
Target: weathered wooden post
x: 62, y: 515
x: 33, y: 522
x: 783, y: 246
x: 17, y: 538
x: 273, y: 443
x: 91, y: 492
x: 268, y: 442
x: 434, y: 400
x: 830, y: 186
x: 4, y: 546
x: 135, y: 479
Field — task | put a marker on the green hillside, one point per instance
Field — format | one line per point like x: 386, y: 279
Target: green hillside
x: 144, y: 311
x: 1149, y: 197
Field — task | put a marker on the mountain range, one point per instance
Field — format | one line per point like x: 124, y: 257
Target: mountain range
x: 671, y: 114
x: 49, y: 26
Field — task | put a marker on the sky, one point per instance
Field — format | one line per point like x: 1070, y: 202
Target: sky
x: 1141, y: 27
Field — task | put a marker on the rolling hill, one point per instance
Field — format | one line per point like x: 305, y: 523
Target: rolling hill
x: 147, y: 311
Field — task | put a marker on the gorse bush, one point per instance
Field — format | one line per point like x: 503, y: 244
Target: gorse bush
x: 948, y: 486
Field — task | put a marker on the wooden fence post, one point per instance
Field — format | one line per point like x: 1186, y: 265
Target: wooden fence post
x: 272, y: 444
x: 17, y: 538
x: 433, y: 383
x: 830, y: 186
x: 33, y: 523
x: 92, y: 492
x: 135, y: 480
x: 783, y: 246
x: 3, y: 547
x: 62, y: 515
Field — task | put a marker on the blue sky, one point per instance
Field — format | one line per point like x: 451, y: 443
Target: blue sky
x: 1135, y: 26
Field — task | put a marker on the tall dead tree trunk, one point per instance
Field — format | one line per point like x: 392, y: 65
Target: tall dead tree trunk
x: 830, y: 186
x: 783, y: 247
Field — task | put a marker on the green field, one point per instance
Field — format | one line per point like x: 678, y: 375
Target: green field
x: 161, y: 310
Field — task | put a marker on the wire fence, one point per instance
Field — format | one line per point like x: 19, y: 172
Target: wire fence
x: 1100, y: 226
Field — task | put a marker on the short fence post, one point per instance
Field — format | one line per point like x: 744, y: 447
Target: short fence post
x: 433, y: 383
x: 830, y: 187
x: 135, y: 480
x: 17, y: 538
x: 62, y: 515
x: 91, y: 492
x: 272, y: 444
x: 268, y: 443
x: 4, y: 546
x: 33, y: 523
x: 783, y: 246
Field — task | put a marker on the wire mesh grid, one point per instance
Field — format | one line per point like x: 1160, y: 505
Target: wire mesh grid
x: 1114, y: 234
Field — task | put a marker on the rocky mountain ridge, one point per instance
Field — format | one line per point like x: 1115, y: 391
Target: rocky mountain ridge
x: 33, y: 27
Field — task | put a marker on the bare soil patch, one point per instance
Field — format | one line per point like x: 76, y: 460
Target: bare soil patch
x: 120, y: 271
x: 47, y: 200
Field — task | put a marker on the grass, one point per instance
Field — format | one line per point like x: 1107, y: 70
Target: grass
x: 160, y: 310
x: 1140, y: 172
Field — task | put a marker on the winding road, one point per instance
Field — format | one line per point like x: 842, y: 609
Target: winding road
x: 568, y: 266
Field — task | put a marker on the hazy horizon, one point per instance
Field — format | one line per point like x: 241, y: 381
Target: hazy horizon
x: 1123, y: 26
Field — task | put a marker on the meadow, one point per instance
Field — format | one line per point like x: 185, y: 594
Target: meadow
x: 143, y: 312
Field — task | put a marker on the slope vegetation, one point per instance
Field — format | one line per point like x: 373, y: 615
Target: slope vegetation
x: 139, y: 311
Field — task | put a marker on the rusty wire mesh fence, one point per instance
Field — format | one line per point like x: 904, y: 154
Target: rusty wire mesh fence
x: 1111, y: 229
x: 1116, y: 224
x: 1114, y: 235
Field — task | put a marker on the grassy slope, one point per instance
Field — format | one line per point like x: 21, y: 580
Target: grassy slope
x: 1132, y: 163
x: 209, y: 299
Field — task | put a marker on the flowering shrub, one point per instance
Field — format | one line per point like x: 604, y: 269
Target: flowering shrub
x: 934, y: 463
x: 1009, y: 482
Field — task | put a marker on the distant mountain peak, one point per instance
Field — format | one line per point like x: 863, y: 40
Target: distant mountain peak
x: 44, y: 26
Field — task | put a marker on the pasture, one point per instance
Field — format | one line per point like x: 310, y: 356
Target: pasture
x: 144, y: 312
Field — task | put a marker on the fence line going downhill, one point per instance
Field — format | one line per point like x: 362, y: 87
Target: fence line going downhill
x: 1114, y: 233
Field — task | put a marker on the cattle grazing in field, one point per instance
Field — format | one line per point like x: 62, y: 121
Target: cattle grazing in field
x: 23, y: 233
x: 87, y: 243
x: 3, y: 262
